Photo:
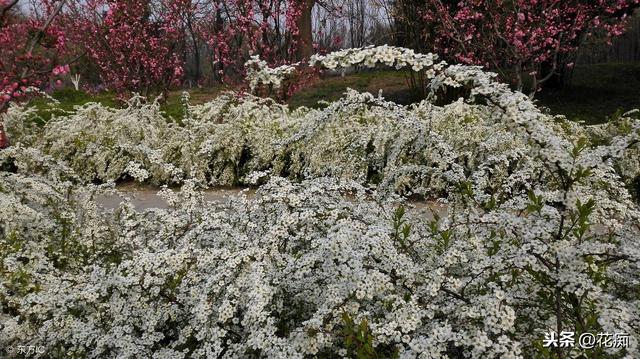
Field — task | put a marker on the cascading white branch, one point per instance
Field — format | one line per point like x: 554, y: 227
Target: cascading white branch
x: 259, y: 73
x: 371, y: 56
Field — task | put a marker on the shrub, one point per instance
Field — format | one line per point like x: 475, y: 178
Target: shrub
x: 540, y: 233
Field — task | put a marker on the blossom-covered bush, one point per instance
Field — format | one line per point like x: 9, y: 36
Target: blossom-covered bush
x: 131, y: 45
x: 285, y: 274
x: 629, y: 166
x: 530, y: 42
x: 370, y: 56
x: 259, y: 73
x: 359, y: 137
x: 33, y: 50
x: 540, y: 233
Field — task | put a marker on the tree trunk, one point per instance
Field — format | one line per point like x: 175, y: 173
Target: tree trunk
x: 4, y: 10
x: 4, y: 142
x: 305, y: 34
x: 557, y: 80
x: 218, y: 66
x: 196, y: 51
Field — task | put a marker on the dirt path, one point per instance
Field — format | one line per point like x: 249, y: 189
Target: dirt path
x: 146, y: 197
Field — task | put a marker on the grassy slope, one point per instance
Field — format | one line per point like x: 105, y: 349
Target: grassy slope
x: 595, y: 92
x: 392, y: 83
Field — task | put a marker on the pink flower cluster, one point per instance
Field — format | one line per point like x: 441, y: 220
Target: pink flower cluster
x: 236, y: 29
x: 534, y: 36
x: 134, y: 44
x: 60, y: 70
x: 22, y: 65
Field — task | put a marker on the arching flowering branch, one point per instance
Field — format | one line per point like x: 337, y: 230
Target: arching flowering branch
x: 259, y: 73
x: 370, y: 56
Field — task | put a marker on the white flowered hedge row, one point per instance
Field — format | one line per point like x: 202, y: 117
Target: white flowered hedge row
x: 541, y: 232
x: 360, y: 137
x: 284, y: 274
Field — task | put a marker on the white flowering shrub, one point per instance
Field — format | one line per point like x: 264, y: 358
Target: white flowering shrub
x: 371, y: 56
x: 258, y: 73
x: 628, y: 167
x: 101, y: 142
x: 326, y: 260
x: 284, y: 274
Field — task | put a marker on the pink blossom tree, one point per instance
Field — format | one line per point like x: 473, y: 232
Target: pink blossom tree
x: 31, y: 51
x: 140, y: 45
x: 132, y: 42
x: 273, y: 29
x: 535, y: 40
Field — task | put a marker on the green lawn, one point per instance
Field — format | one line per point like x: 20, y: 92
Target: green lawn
x: 393, y: 84
x: 595, y: 93
x: 69, y: 98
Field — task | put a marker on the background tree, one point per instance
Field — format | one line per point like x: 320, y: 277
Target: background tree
x: 530, y: 42
x: 133, y: 43
x: 31, y: 48
x: 30, y: 51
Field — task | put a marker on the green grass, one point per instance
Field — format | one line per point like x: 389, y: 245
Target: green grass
x: 173, y: 108
x: 69, y: 98
x: 595, y: 93
x: 330, y: 89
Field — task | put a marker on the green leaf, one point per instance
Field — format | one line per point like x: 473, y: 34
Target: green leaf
x: 579, y: 147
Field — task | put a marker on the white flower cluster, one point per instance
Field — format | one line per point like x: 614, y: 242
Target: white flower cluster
x: 259, y: 73
x: 540, y: 232
x: 628, y: 167
x: 370, y: 56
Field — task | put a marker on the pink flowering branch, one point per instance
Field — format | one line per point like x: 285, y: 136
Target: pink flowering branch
x: 534, y: 39
x: 134, y: 45
x: 20, y: 67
